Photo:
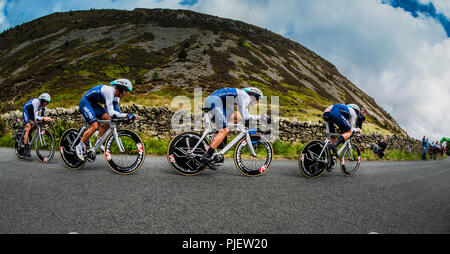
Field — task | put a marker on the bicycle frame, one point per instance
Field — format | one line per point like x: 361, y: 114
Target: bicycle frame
x: 37, y: 134
x: 112, y: 128
x: 244, y: 132
x: 347, y: 143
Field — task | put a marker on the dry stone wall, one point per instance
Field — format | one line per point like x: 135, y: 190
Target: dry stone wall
x: 157, y: 122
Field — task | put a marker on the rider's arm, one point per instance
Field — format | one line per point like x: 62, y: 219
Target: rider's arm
x: 35, y: 104
x: 352, y: 120
x: 116, y: 104
x: 108, y: 94
x: 243, y: 102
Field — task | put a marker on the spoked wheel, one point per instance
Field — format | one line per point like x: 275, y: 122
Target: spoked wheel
x: 309, y: 162
x: 182, y: 158
x: 350, y: 161
x: 68, y: 154
x: 250, y: 165
x: 19, y: 147
x: 44, y: 146
x: 131, y: 159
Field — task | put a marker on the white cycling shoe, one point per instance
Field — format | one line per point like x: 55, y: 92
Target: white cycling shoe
x: 79, y: 150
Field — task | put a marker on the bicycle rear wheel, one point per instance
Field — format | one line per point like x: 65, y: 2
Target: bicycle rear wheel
x: 129, y: 161
x: 68, y: 154
x: 249, y: 165
x: 44, y: 146
x: 181, y: 157
x: 19, y: 147
x: 350, y: 161
x: 309, y: 162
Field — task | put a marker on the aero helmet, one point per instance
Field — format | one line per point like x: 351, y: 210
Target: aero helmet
x: 253, y: 91
x: 44, y: 97
x: 124, y: 83
x: 355, y: 107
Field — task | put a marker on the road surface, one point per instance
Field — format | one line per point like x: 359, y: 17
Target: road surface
x: 384, y: 197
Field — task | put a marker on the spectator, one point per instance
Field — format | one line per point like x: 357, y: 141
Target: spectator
x: 382, y: 145
x: 424, y: 148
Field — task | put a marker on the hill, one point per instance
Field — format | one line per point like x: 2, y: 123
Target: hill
x: 168, y: 53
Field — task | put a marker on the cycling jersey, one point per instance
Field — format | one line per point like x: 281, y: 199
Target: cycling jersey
x: 90, y: 103
x: 343, y: 116
x: 222, y: 102
x: 31, y: 110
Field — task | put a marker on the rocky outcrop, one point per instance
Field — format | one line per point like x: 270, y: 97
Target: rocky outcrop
x: 157, y: 122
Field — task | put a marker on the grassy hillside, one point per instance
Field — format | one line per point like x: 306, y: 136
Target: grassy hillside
x: 168, y: 53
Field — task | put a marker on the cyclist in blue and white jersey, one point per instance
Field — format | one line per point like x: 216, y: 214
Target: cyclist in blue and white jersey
x: 92, y: 110
x: 222, y: 104
x: 31, y: 114
x: 349, y: 119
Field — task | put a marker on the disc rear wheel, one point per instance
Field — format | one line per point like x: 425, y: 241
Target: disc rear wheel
x: 310, y: 164
x: 67, y: 150
x: 181, y: 156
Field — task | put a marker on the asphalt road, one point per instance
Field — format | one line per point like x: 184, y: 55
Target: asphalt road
x: 384, y: 197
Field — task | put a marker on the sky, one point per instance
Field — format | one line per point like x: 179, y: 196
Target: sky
x: 396, y: 51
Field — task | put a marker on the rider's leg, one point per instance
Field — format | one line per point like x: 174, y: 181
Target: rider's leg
x: 219, y: 138
x: 27, y: 133
x: 92, y: 128
x: 27, y: 150
x: 103, y: 129
x: 80, y: 147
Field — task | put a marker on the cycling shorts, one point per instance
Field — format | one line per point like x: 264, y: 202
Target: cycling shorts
x: 215, y: 103
x: 28, y: 115
x: 335, y: 115
x: 91, y: 111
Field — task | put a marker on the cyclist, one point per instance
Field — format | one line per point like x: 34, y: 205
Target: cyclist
x: 92, y: 110
x: 349, y: 119
x: 30, y: 114
x: 222, y: 103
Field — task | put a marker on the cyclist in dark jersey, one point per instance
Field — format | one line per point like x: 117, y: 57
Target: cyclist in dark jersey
x: 92, y: 110
x: 222, y: 103
x: 349, y: 119
x: 31, y: 114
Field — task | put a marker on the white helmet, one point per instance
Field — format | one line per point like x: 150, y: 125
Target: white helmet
x: 253, y: 91
x: 44, y: 97
x: 355, y: 107
x: 123, y: 82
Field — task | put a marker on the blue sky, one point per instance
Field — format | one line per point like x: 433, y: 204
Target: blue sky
x: 397, y: 51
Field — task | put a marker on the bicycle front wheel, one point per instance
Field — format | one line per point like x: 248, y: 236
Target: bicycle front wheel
x: 249, y: 164
x: 44, y: 146
x: 350, y: 161
x: 131, y: 159
x: 310, y: 164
